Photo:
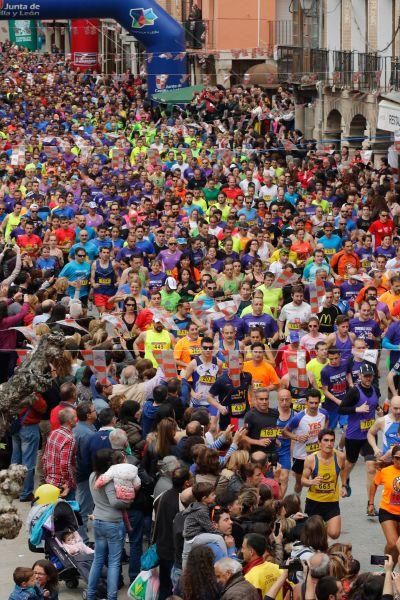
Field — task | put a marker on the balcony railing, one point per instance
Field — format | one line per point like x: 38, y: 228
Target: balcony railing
x: 366, y: 72
x: 343, y: 68
x: 302, y: 65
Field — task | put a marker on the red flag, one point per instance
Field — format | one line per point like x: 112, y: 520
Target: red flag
x: 317, y: 291
x: 168, y: 364
x: 296, y: 363
x: 234, y: 368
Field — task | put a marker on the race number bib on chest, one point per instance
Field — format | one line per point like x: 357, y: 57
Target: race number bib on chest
x: 366, y: 424
x: 272, y: 432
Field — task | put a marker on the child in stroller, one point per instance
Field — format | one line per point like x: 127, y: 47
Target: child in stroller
x: 48, y: 525
x: 81, y: 554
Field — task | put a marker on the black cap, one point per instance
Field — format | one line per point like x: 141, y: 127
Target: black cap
x: 367, y: 369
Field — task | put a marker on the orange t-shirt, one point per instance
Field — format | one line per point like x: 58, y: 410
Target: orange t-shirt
x: 389, y: 299
x: 389, y: 477
x: 186, y: 349
x: 263, y: 374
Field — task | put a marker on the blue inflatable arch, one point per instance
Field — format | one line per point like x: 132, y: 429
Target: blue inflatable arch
x: 160, y: 34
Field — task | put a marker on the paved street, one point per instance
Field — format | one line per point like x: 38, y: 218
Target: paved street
x: 365, y: 535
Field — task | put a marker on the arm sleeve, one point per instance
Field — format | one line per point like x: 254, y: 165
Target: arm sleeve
x: 295, y: 421
x: 103, y: 480
x: 112, y: 498
x: 15, y: 271
x: 15, y: 319
x: 231, y: 450
x: 388, y: 345
x: 348, y: 405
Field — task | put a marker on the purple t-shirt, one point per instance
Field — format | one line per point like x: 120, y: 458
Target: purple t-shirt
x: 359, y: 423
x: 156, y: 281
x: 349, y: 291
x: 236, y: 322
x: 269, y: 324
x: 365, y: 255
x: 388, y: 252
x: 334, y: 378
x: 363, y: 329
x: 169, y: 259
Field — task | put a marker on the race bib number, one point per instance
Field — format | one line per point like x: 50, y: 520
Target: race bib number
x: 270, y: 433
x: 329, y: 251
x: 257, y: 384
x: 105, y: 280
x: 294, y: 325
x: 209, y: 379
x: 238, y: 409
x: 181, y: 332
x: 84, y: 281
x: 312, y: 447
x: 366, y: 424
x: 298, y: 406
x: 195, y: 351
x: 326, y: 487
x: 159, y: 346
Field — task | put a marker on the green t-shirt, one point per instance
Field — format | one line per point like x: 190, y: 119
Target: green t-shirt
x: 249, y: 309
x: 170, y: 301
x: 230, y: 286
x: 210, y: 195
x: 272, y: 296
x: 315, y: 367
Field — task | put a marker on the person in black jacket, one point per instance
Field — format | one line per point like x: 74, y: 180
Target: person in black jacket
x: 166, y: 508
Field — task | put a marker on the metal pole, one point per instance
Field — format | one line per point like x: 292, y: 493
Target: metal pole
x: 258, y: 23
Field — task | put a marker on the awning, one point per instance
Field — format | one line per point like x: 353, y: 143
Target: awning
x: 180, y: 96
x: 264, y: 74
x: 389, y: 116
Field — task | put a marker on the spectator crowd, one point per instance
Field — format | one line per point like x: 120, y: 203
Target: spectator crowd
x: 229, y: 293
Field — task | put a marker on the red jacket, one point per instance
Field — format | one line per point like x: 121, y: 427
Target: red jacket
x: 54, y: 420
x: 34, y: 412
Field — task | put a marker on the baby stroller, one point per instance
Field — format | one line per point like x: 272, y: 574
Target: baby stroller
x: 46, y: 524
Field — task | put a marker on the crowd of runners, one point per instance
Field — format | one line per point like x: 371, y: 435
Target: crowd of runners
x: 229, y: 294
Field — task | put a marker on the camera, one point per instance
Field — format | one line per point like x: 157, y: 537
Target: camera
x: 293, y: 564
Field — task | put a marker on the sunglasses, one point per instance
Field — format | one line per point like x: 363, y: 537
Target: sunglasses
x: 81, y: 255
x: 207, y: 347
x: 130, y: 304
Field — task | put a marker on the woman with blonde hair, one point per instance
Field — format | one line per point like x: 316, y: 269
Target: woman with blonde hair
x: 61, y: 285
x: 232, y: 466
x: 33, y: 304
x: 41, y: 329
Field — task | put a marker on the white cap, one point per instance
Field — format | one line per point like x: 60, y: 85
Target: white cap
x: 171, y: 283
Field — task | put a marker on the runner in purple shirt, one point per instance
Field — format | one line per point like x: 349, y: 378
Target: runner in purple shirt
x: 365, y: 327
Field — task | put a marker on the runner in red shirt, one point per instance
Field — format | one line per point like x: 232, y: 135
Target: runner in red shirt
x: 383, y: 226
x: 29, y: 241
x: 65, y: 235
